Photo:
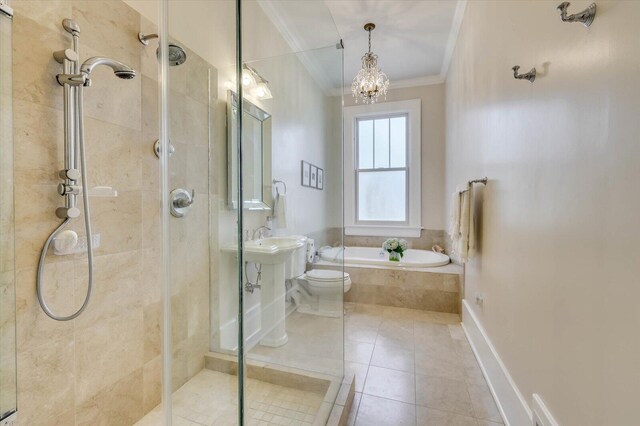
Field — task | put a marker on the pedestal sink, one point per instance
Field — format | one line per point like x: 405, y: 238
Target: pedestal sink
x: 272, y: 253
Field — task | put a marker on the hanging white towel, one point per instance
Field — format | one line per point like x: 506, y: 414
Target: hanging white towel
x: 280, y: 210
x: 462, y: 228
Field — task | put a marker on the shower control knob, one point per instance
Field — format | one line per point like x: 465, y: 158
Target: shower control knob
x: 181, y: 201
x: 67, y: 212
x: 71, y: 174
x: 73, y: 212
x: 64, y: 189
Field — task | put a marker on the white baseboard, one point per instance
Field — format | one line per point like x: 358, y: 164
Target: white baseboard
x: 512, y: 406
x: 541, y: 415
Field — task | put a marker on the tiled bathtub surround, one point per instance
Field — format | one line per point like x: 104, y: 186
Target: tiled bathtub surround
x: 105, y: 366
x: 428, y: 238
x: 430, y: 291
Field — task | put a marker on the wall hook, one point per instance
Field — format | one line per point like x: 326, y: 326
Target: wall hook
x: 586, y: 16
x: 531, y: 75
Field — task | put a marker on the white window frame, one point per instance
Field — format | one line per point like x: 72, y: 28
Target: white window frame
x: 413, y: 226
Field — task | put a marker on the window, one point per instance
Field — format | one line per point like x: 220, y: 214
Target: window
x: 382, y: 169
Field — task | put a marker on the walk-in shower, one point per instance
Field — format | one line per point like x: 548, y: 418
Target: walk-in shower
x: 73, y: 79
x: 130, y: 315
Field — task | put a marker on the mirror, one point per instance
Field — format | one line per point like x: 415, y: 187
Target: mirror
x: 256, y: 155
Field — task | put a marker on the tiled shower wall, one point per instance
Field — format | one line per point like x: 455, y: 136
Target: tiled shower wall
x: 105, y: 366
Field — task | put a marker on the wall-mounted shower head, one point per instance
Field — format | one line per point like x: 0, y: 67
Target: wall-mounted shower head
x: 177, y: 55
x: 119, y: 69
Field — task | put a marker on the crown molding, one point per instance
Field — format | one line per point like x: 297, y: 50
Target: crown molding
x: 426, y: 80
x: 270, y: 8
x: 456, y: 24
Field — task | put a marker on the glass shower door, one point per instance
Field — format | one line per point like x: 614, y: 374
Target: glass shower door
x: 201, y: 243
x: 7, y: 259
x: 291, y: 203
x: 292, y: 169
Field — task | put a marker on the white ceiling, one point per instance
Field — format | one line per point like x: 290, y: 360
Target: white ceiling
x: 410, y: 39
x: 414, y: 39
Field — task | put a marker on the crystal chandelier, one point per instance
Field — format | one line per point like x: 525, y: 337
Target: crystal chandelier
x: 370, y: 82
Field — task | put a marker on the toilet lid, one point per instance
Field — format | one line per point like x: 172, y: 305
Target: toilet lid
x: 326, y: 275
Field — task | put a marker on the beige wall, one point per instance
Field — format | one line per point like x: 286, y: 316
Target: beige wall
x: 433, y: 149
x: 105, y: 366
x: 557, y: 259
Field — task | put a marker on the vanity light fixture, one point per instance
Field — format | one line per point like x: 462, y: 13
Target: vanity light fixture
x: 370, y: 82
x: 254, y: 84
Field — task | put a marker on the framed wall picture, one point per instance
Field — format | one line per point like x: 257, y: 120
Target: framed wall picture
x: 305, y: 173
x: 320, y: 179
x: 313, y: 182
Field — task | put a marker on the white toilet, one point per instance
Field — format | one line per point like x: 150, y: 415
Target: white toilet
x: 318, y: 291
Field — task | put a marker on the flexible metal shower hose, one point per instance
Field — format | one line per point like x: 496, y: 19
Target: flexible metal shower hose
x: 87, y: 223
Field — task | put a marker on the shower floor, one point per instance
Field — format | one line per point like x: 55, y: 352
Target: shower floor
x: 210, y: 398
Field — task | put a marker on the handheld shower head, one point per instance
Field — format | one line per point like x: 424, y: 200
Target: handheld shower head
x: 119, y: 69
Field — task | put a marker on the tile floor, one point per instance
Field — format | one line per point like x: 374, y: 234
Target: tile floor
x: 210, y: 399
x: 413, y: 367
x: 315, y: 344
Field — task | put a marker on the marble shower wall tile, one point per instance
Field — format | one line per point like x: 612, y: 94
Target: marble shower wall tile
x: 105, y: 366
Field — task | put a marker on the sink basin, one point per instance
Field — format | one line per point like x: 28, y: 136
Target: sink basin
x: 270, y: 250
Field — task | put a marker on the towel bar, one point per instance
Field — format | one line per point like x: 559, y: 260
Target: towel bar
x: 276, y: 182
x: 471, y: 182
x: 482, y: 181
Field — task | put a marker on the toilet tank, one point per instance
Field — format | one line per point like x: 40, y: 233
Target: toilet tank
x: 297, y: 263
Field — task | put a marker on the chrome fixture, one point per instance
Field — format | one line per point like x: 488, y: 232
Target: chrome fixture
x: 585, y: 17
x: 6, y: 9
x: 181, y: 201
x: 260, y: 231
x: 157, y: 146
x: 74, y: 78
x: 250, y: 287
x: 483, y: 181
x: 531, y: 75
x: 119, y: 69
x: 177, y: 55
x: 284, y: 185
x: 370, y: 82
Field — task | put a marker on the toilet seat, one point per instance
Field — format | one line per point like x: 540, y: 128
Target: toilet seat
x: 326, y: 275
x: 328, y: 279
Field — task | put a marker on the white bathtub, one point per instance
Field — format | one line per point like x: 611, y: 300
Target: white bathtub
x: 377, y: 257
